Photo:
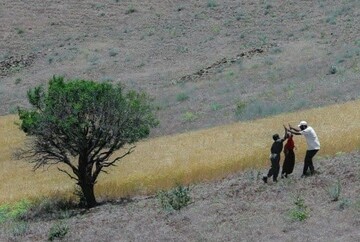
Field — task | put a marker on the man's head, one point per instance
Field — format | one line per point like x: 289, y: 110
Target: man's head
x: 276, y: 137
x: 302, y: 125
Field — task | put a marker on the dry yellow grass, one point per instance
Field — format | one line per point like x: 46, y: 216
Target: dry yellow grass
x: 184, y: 158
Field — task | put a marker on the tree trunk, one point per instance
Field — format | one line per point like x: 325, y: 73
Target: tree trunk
x: 88, y: 192
x: 86, y: 182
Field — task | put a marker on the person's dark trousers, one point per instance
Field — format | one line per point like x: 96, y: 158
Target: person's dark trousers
x: 308, y: 163
x: 275, y: 166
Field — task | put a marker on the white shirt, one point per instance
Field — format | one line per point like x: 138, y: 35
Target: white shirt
x: 311, y: 138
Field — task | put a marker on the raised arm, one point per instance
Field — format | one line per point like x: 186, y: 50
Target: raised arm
x: 293, y: 130
x: 285, y: 133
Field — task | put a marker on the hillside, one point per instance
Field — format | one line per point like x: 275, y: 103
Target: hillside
x: 237, y: 208
x: 205, y: 63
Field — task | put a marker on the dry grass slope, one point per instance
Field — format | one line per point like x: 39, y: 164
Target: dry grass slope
x: 185, y: 158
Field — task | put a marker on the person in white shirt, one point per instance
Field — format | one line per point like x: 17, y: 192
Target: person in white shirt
x: 313, y: 145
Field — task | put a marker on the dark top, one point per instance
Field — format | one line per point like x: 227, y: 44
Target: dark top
x: 277, y: 146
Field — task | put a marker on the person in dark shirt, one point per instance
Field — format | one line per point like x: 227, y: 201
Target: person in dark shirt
x: 275, y: 150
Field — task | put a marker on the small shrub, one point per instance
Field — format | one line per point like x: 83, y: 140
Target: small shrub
x: 18, y: 80
x: 240, y: 107
x: 58, y: 231
x: 19, y: 31
x: 263, y: 40
x: 300, y: 212
x: 333, y: 70
x: 131, y: 9
x: 55, y: 208
x: 4, y: 56
x: 331, y: 20
x: 182, y: 97
x: 334, y: 191
x: 212, y: 3
x: 50, y: 60
x: 357, y: 42
x: 182, y: 49
x: 16, y: 68
x: 113, y: 52
x: 216, y: 29
x: 253, y: 175
x: 142, y: 64
x: 174, y: 199
x: 240, y: 15
x: 180, y: 8
x: 189, y: 117
x: 276, y: 50
x: 19, y: 228
x: 215, y: 106
x: 344, y: 203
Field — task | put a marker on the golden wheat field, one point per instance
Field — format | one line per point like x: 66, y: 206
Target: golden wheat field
x: 186, y: 158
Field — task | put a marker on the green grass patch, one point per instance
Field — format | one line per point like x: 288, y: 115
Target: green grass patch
x: 15, y: 210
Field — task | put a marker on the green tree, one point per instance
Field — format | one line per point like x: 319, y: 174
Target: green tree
x: 81, y: 123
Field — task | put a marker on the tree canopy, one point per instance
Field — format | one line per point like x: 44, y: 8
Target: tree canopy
x: 81, y: 123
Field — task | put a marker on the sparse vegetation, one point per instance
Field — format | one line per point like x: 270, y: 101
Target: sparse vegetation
x: 113, y: 52
x: 182, y: 97
x: 19, y: 30
x: 300, y: 212
x: 189, y: 116
x: 240, y: 107
x: 212, y: 3
x: 175, y: 199
x: 18, y: 80
x: 58, y: 231
x: 215, y: 106
x: 130, y: 9
x: 333, y: 70
x: 344, y: 203
x: 334, y: 191
x: 19, y: 228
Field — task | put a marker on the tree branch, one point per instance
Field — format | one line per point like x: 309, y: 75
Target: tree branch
x: 107, y: 164
x: 100, y: 165
x: 67, y: 173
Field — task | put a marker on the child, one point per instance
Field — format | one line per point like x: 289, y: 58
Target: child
x: 289, y: 161
x: 276, y: 149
